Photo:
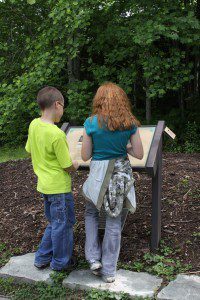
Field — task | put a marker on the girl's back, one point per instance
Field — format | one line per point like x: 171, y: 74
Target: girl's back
x: 107, y: 144
x: 112, y: 124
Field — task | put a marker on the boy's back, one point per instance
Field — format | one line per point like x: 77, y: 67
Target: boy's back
x: 52, y: 163
x: 50, y: 156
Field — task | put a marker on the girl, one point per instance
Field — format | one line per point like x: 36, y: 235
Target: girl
x: 110, y: 183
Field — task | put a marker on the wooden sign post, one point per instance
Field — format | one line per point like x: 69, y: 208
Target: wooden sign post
x: 151, y: 164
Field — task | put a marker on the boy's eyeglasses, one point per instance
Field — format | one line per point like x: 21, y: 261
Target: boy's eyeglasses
x: 61, y: 104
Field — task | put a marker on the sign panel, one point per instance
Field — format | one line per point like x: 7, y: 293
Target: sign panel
x: 75, y: 136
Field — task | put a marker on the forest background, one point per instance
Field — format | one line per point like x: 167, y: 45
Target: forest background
x: 150, y: 48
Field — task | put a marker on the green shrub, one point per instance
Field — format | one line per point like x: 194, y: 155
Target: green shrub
x: 192, y: 138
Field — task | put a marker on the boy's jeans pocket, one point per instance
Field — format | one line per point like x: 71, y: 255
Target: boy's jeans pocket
x: 62, y: 208
x: 70, y: 208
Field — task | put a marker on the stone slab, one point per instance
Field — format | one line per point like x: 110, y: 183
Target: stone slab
x: 184, y: 287
x: 22, y: 269
x: 132, y: 283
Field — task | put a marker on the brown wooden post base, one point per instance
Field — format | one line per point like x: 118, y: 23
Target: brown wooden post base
x: 156, y: 201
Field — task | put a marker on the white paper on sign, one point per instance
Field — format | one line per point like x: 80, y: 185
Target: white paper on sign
x: 170, y: 133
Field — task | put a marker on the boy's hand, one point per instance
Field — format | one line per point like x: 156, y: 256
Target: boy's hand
x: 73, y: 167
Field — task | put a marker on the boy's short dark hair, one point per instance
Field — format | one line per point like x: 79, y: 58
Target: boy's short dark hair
x: 47, y: 96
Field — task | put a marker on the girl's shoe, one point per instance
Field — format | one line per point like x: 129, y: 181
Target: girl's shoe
x: 108, y: 279
x: 95, y: 265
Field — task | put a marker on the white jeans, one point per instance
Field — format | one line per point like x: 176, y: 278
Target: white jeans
x: 108, y: 252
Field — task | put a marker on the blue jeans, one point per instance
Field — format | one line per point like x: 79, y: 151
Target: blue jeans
x: 56, y: 246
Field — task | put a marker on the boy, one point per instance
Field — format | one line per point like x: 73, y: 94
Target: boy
x: 52, y: 163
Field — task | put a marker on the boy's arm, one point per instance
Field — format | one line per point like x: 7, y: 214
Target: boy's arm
x: 27, y: 147
x: 63, y: 156
x: 86, y: 150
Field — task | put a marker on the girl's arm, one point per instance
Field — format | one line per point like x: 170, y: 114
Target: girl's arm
x: 135, y: 148
x: 86, y: 150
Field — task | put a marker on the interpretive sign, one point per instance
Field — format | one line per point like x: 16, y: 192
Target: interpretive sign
x: 75, y: 135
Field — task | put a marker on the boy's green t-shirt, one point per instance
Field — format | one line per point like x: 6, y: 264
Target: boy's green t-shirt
x: 50, y: 155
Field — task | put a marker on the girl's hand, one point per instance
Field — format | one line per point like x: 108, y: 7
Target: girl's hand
x: 86, y: 150
x: 129, y: 149
x: 75, y: 164
x: 136, y: 149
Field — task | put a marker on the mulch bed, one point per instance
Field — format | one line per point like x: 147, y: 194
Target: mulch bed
x: 22, y: 221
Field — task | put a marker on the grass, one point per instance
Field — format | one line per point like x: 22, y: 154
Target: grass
x: 5, y: 254
x: 11, y: 153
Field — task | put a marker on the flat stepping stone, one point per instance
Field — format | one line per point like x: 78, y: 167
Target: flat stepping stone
x: 22, y: 269
x: 132, y: 283
x: 184, y: 287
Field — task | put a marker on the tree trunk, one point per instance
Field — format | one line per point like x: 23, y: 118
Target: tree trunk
x: 70, y: 71
x: 76, y: 67
x: 181, y: 102
x: 198, y: 9
x: 197, y: 60
x: 134, y: 96
x: 73, y: 69
x: 148, y: 103
x: 148, y: 110
x: 196, y: 74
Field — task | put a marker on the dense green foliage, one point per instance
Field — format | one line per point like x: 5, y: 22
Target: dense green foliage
x: 151, y: 48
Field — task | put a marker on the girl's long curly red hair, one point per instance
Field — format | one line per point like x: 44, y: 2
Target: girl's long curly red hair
x: 112, y: 106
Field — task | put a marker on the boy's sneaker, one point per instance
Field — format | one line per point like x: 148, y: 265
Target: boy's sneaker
x: 95, y: 265
x: 38, y: 266
x: 73, y: 262
x: 108, y: 279
x: 97, y: 272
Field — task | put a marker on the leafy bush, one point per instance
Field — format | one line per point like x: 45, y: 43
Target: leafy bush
x: 192, y: 138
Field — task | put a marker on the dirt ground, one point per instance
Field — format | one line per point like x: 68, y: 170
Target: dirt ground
x: 22, y: 221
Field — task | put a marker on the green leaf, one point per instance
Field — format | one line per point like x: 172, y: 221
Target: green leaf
x: 31, y: 2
